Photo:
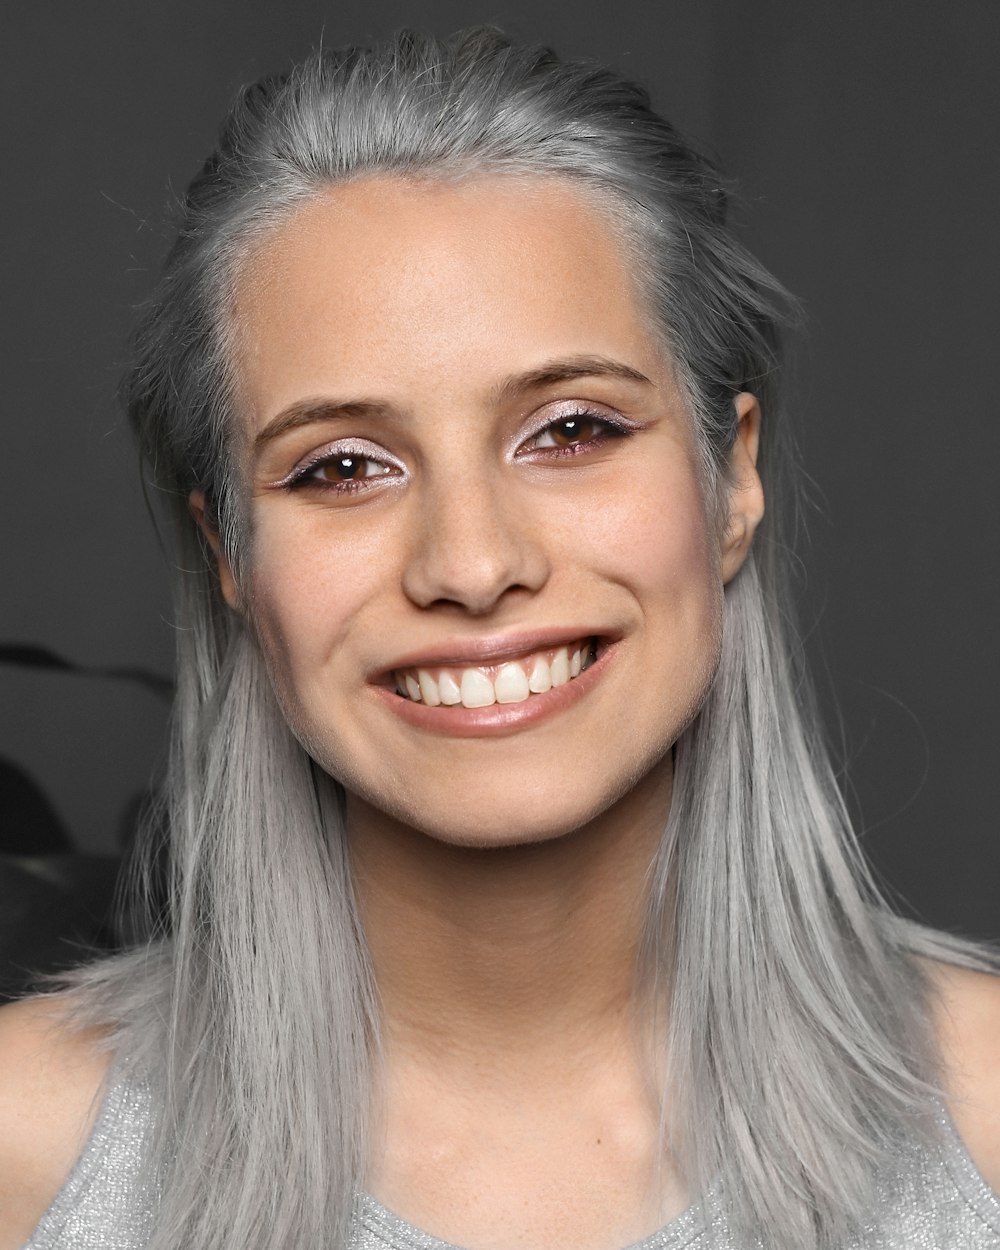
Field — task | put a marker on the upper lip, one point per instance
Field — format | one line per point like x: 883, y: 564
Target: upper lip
x: 493, y: 649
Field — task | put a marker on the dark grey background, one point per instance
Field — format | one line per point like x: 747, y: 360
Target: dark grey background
x: 864, y: 136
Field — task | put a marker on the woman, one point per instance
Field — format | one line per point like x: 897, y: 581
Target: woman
x: 510, y: 896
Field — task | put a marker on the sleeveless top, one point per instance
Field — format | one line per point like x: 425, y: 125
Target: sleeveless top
x: 928, y: 1200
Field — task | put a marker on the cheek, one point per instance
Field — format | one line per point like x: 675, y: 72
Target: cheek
x: 658, y: 539
x: 307, y: 587
x: 660, y: 545
x: 667, y: 550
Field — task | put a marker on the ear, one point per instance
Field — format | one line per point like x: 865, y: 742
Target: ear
x: 227, y: 582
x: 746, y: 494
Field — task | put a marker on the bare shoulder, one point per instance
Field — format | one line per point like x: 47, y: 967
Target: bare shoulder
x: 51, y: 1081
x: 967, y: 1019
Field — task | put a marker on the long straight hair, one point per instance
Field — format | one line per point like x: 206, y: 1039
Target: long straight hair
x: 797, y: 1049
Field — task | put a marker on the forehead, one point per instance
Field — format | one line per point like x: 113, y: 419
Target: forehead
x: 402, y: 283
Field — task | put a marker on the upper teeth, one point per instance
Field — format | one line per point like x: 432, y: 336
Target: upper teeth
x: 510, y: 682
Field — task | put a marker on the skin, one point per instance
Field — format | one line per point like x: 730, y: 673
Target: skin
x: 500, y: 879
x: 476, y: 539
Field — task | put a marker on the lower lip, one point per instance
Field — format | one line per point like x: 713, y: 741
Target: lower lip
x: 499, y: 718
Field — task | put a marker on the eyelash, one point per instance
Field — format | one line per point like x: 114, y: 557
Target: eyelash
x: 301, y: 477
x: 608, y: 428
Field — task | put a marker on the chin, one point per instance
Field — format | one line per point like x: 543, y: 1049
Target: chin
x: 492, y: 818
x: 480, y: 838
x: 504, y: 827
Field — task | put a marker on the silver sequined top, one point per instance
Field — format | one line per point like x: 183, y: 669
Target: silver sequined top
x: 927, y: 1202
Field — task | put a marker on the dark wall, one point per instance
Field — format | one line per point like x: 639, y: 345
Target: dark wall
x: 863, y: 136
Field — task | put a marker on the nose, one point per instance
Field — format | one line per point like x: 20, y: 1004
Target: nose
x: 473, y: 545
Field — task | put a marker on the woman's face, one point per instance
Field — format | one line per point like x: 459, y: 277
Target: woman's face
x: 484, y: 572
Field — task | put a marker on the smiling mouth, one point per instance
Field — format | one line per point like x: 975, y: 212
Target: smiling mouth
x: 481, y: 685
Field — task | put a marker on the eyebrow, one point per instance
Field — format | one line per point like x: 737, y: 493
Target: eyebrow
x: 313, y: 411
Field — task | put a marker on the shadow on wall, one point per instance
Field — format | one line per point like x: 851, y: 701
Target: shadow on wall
x: 57, y: 903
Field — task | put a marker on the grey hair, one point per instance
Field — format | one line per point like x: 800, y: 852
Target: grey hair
x: 797, y: 1046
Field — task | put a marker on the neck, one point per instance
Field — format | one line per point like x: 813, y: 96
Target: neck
x: 511, y: 949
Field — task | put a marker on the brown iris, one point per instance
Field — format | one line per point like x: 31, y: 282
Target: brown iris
x: 573, y: 430
x: 343, y: 468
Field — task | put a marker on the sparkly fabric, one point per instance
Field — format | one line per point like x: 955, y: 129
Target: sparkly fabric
x: 105, y: 1204
x: 928, y: 1201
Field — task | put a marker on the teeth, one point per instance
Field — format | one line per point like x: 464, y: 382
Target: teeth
x: 477, y: 689
x: 541, y: 677
x: 560, y: 667
x: 449, y: 690
x: 511, y: 684
x: 428, y: 688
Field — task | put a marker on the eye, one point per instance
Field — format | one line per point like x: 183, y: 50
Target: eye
x: 346, y: 468
x: 343, y: 469
x: 574, y: 432
x: 569, y: 431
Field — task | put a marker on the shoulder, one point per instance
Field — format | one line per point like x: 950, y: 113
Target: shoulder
x: 967, y: 1022
x: 51, y: 1082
